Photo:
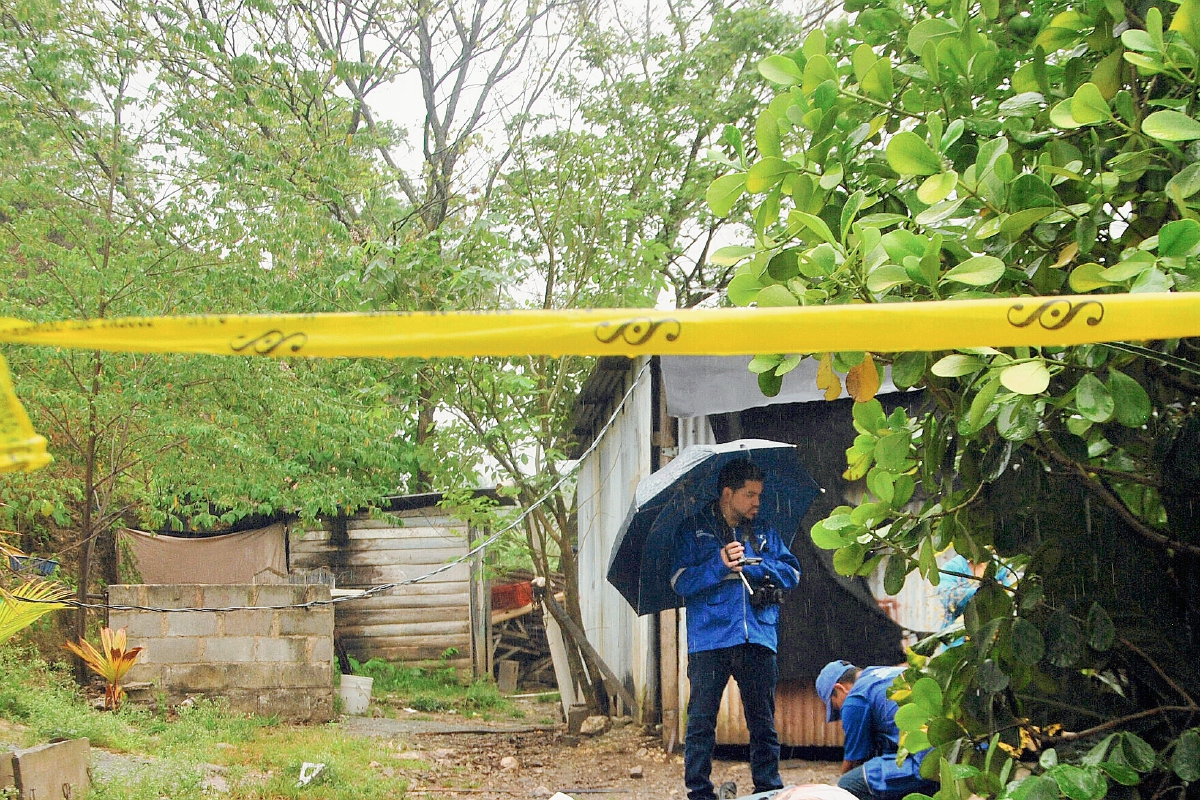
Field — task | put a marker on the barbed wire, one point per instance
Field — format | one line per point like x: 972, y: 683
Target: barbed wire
x: 386, y: 587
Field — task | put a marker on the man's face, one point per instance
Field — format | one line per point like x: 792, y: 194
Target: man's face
x: 838, y: 696
x: 744, y: 502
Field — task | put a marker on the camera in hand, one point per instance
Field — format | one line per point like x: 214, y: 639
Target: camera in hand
x: 766, y: 594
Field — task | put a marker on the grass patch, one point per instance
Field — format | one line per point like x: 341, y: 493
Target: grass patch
x: 163, y: 754
x: 435, y: 688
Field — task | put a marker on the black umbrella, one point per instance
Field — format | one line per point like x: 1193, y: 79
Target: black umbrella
x: 640, y: 564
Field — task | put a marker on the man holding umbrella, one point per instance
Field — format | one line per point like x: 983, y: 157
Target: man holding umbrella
x: 731, y: 572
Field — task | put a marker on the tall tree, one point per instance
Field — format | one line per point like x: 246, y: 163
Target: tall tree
x: 957, y: 150
x: 604, y: 207
x: 105, y: 210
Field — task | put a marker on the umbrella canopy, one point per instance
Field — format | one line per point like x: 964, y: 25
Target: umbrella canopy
x: 640, y: 564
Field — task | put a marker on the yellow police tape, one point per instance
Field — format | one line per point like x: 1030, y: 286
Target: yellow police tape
x: 20, y: 447
x: 873, y: 327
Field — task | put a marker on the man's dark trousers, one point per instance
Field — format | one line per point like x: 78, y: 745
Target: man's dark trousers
x: 756, y: 672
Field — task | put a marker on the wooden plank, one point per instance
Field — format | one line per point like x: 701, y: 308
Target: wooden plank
x: 437, y: 644
x: 410, y: 521
x: 392, y: 615
x: 376, y: 575
x: 434, y: 589
x: 426, y: 558
x: 375, y: 537
x: 383, y: 629
x: 407, y: 600
x: 580, y: 638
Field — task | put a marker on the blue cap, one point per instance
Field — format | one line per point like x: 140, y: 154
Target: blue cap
x: 825, y: 683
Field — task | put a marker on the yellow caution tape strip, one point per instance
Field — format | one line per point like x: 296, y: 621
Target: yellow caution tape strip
x: 878, y: 328
x: 20, y: 448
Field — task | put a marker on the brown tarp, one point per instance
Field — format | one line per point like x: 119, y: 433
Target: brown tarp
x: 258, y: 556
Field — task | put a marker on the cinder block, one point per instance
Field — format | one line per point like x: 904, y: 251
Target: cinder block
x: 200, y: 677
x: 281, y: 594
x: 257, y: 676
x: 509, y: 670
x: 139, y: 624
x: 191, y: 623
x: 168, y: 650
x: 306, y: 622
x: 247, y: 623
x: 228, y: 649
x: 145, y: 672
x: 227, y: 596
x: 184, y: 595
x: 124, y: 594
x: 279, y: 650
x: 306, y: 706
x: 316, y: 592
x: 304, y: 675
x: 318, y: 649
x: 52, y: 771
x: 8, y: 778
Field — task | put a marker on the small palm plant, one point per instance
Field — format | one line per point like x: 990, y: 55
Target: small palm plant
x: 110, y: 662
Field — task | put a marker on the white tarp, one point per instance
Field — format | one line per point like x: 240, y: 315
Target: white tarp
x: 701, y: 385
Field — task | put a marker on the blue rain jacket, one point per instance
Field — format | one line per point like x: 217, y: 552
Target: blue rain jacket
x: 869, y: 722
x: 719, y: 613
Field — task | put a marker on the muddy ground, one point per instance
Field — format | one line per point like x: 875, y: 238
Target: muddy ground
x: 508, y: 759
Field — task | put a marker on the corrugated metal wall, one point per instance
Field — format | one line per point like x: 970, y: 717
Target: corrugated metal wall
x: 409, y: 623
x: 606, y: 482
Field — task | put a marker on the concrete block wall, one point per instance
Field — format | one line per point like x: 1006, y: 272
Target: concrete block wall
x: 268, y: 661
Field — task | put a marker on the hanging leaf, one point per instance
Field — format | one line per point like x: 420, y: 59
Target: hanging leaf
x: 937, y: 188
x: 862, y: 381
x: 908, y: 369
x: 743, y: 289
x: 1088, y: 106
x: 781, y: 70
x: 776, y: 296
x: 724, y: 192
x: 956, y: 365
x: 827, y: 379
x: 1100, y: 629
x: 908, y: 154
x: 1087, y: 277
x: 1185, y: 761
x: 769, y: 383
x: 976, y: 271
x: 1171, y: 126
x: 1179, y: 238
x: 1079, y: 783
x: 1137, y: 752
x: 1093, y: 400
x: 895, y: 574
x: 1028, y: 378
x: 765, y: 174
x: 990, y: 677
x: 1027, y: 642
x: 1064, y: 645
x: 1131, y: 403
x: 730, y: 255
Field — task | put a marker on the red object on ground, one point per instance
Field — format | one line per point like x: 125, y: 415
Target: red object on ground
x: 507, y: 596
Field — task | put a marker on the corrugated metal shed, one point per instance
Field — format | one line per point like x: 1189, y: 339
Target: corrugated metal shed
x: 605, y: 485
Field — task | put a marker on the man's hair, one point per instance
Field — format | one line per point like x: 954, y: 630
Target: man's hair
x: 735, y: 474
x: 849, y: 676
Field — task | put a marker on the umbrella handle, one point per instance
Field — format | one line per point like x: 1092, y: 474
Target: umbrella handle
x: 742, y: 575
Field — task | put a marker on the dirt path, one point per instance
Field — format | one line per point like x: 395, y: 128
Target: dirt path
x: 503, y: 760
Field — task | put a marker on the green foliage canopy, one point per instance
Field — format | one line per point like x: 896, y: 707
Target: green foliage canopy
x: 953, y: 150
